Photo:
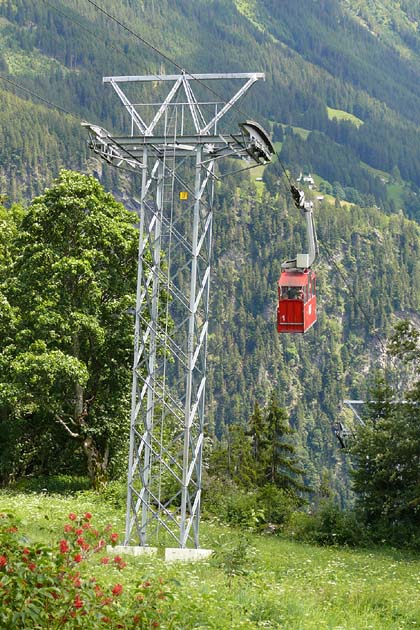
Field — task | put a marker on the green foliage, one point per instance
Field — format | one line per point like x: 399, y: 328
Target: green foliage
x: 327, y: 57
x: 234, y: 559
x: 386, y: 452
x: 67, y: 371
x: 329, y: 525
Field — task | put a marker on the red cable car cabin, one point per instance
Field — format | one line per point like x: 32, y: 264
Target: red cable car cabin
x: 296, y: 311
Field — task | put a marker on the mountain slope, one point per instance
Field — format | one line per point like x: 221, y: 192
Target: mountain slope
x: 327, y: 64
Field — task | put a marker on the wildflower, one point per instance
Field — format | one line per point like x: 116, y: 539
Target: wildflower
x: 32, y: 566
x: 88, y: 516
x: 78, y: 557
x: 68, y: 528
x: 77, y: 583
x: 64, y: 546
x: 3, y: 561
x: 78, y: 531
x: 122, y: 565
x: 72, y: 516
x: 117, y: 590
x: 106, y: 619
x: 105, y: 560
x: 12, y: 530
x: 114, y: 537
x: 117, y: 559
x: 25, y: 551
x: 80, y: 541
x: 78, y: 603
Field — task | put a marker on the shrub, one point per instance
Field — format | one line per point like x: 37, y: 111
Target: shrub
x: 328, y: 526
x: 46, y: 587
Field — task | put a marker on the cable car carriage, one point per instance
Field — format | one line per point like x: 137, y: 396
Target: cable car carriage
x: 296, y: 311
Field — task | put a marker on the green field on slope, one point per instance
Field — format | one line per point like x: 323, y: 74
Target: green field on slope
x: 278, y: 583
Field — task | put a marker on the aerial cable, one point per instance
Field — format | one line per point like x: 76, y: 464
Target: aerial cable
x: 35, y: 95
x: 366, y: 317
x: 71, y: 19
x: 189, y: 75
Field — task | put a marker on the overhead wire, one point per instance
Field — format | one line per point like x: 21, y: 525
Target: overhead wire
x: 163, y: 55
x: 193, y: 77
x: 82, y: 26
x: 35, y: 95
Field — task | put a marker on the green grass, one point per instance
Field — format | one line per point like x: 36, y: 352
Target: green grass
x: 300, y: 131
x: 340, y: 114
x: 284, y: 584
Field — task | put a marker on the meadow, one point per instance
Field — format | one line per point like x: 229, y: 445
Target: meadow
x: 253, y: 580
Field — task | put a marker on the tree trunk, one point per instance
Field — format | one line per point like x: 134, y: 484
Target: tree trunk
x: 97, y: 463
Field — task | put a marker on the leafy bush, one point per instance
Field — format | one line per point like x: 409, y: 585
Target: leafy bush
x: 45, y: 587
x: 328, y: 526
x: 53, y: 484
x: 255, y: 508
x: 277, y: 504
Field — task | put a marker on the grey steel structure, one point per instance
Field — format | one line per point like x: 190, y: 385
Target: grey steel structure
x: 174, y: 142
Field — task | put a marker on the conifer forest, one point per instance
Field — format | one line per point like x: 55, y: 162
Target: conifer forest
x: 284, y: 455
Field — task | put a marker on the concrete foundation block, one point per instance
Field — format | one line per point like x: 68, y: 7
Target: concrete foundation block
x: 175, y: 554
x: 132, y: 550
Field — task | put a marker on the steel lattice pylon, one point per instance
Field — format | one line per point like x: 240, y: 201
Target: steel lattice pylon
x: 175, y: 144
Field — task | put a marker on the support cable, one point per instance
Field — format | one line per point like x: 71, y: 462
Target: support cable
x: 35, y: 95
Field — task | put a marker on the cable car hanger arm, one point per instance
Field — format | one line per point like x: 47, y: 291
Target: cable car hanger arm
x: 304, y: 261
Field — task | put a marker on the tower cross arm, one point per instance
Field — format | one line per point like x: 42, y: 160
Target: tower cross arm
x: 175, y: 77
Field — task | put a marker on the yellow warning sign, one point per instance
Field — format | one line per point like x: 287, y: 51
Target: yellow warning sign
x: 183, y: 195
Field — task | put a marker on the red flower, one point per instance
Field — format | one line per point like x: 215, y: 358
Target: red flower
x: 64, y: 546
x: 106, y: 619
x: 3, y: 561
x: 117, y: 590
x: 80, y: 541
x: 78, y: 557
x: 72, y: 516
x: 86, y: 525
x: 26, y: 551
x: 78, y: 603
x: 117, y: 559
x: 13, y: 529
x: 105, y: 560
x: 77, y: 583
x: 88, y: 516
x: 68, y: 528
x: 122, y: 564
x: 114, y: 537
x: 78, y: 531
x: 32, y: 566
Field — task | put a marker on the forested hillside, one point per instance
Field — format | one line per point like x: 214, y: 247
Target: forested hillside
x: 341, y: 99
